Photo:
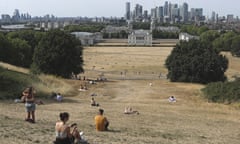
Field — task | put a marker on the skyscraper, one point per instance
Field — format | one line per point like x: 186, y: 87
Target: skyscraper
x: 184, y: 12
x: 165, y: 9
x: 128, y: 11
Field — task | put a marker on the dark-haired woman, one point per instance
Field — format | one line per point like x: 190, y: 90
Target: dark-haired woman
x: 63, y: 135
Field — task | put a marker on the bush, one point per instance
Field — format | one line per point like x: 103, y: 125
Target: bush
x: 223, y: 92
x: 195, y: 61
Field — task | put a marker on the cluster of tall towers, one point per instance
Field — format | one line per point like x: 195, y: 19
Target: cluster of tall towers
x: 168, y: 13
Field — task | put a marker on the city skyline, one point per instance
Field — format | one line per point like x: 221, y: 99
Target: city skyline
x: 108, y: 8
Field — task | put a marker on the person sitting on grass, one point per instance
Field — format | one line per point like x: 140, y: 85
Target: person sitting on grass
x: 172, y: 99
x: 128, y: 110
x: 93, y: 102
x: 101, y: 122
x: 76, y: 134
x: 63, y: 135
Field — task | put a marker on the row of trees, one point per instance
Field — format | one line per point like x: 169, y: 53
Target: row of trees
x: 54, y: 52
x: 84, y: 28
x: 219, y: 40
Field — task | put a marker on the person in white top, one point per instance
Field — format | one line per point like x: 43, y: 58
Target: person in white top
x: 172, y: 99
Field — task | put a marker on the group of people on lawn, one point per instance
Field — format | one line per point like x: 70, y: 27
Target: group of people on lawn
x: 65, y: 134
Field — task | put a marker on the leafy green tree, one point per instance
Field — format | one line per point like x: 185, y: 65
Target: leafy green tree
x: 224, y: 42
x: 30, y: 36
x: 194, y: 30
x: 84, y: 28
x: 223, y: 92
x: 195, y: 61
x: 58, y: 53
x: 235, y: 47
x: 21, y: 53
x: 6, y: 49
x: 141, y: 25
x: 209, y: 36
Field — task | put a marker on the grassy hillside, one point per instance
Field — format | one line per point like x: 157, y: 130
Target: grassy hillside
x: 14, y: 80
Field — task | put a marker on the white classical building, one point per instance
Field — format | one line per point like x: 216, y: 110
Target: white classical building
x: 140, y: 37
x: 187, y: 37
x: 87, y: 38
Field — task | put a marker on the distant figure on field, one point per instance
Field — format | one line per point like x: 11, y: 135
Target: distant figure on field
x: 28, y: 98
x: 150, y: 84
x: 59, y: 97
x: 172, y: 99
x: 93, y: 102
x: 101, y: 122
x: 128, y: 110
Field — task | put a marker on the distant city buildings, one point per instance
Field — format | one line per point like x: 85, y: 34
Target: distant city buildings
x: 167, y: 13
x: 172, y: 13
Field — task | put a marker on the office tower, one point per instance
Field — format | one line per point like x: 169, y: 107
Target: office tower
x: 145, y: 14
x: 196, y: 14
x: 174, y: 12
x: 159, y: 12
x: 213, y: 17
x: 128, y: 11
x: 166, y: 8
x: 230, y: 18
x: 184, y: 12
x: 16, y: 15
x: 153, y: 13
x: 138, y: 11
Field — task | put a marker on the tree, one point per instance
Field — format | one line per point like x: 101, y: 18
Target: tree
x: 209, y: 36
x: 235, y: 47
x: 21, y: 53
x: 224, y: 42
x: 195, y: 61
x: 58, y: 53
x: 6, y: 49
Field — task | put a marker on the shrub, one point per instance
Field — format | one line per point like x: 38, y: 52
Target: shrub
x: 223, y: 92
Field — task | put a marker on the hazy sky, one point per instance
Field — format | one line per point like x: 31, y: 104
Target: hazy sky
x: 107, y: 8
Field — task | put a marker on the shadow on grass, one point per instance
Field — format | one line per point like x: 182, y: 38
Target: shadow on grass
x: 113, y: 131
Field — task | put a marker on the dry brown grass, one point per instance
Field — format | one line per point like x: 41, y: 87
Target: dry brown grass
x: 191, y: 120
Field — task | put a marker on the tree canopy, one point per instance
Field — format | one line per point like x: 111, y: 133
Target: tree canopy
x: 195, y: 61
x: 235, y: 46
x: 223, y: 43
x: 58, y: 53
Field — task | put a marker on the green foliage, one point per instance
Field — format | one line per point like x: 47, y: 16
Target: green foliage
x: 235, y: 46
x: 197, y: 62
x: 164, y: 35
x: 23, y: 45
x: 141, y: 25
x: 6, y: 49
x: 209, y: 36
x: 84, y: 28
x: 224, y: 42
x: 58, y: 53
x: 30, y: 36
x: 223, y: 92
x: 12, y: 83
x: 194, y: 30
x: 21, y: 53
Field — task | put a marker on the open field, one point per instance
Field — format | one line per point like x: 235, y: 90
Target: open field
x: 191, y: 120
